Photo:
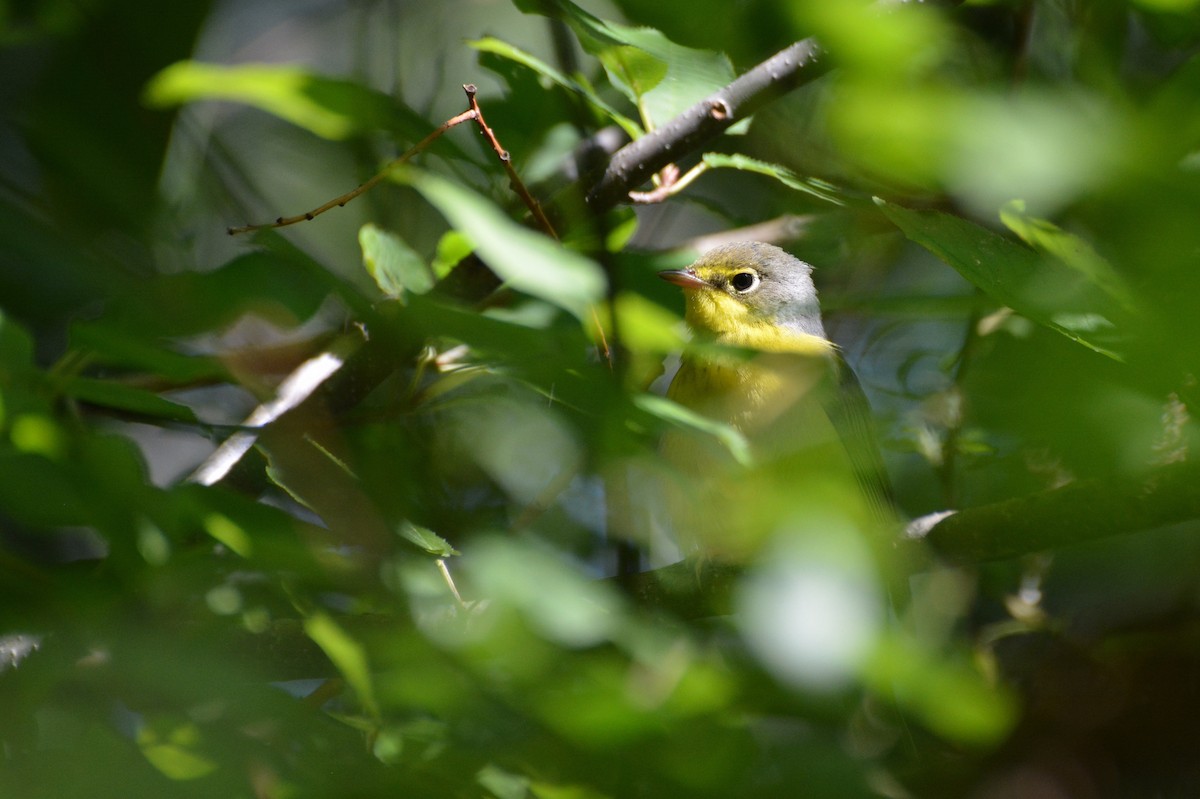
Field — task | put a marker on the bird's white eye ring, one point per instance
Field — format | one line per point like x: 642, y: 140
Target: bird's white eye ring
x: 743, y: 282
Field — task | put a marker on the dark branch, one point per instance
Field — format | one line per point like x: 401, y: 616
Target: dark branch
x: 1074, y: 514
x: 637, y: 161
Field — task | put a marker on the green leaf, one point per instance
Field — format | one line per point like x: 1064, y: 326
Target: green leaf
x: 106, y: 341
x: 396, y: 267
x: 121, y: 397
x: 525, y: 575
x: 489, y: 44
x: 527, y: 261
x: 347, y: 654
x: 426, y: 539
x: 174, y: 750
x: 1038, y: 288
x: 663, y: 78
x: 332, y: 109
x: 950, y: 697
x: 1069, y: 249
x: 817, y: 188
x: 676, y: 414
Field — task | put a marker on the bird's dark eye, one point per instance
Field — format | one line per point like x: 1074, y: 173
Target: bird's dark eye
x: 744, y: 281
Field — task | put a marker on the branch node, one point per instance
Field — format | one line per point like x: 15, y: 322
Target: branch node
x: 719, y: 109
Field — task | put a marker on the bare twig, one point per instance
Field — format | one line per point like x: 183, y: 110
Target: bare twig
x: 514, y: 180
x: 338, y: 202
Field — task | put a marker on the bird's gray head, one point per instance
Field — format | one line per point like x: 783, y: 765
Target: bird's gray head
x: 771, y: 283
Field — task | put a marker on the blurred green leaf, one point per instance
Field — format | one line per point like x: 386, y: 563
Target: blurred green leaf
x: 347, y: 654
x: 36, y: 492
x: 271, y: 285
x: 1069, y: 249
x: 396, y: 267
x: 332, y: 109
x: 676, y: 414
x: 525, y: 260
x: 175, y: 750
x: 113, y: 344
x: 950, y: 697
x: 525, y: 576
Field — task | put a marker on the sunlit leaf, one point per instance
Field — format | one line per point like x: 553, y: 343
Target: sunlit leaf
x: 663, y: 78
x: 426, y: 539
x: 490, y: 44
x: 675, y: 413
x: 330, y: 108
x: 583, y: 612
x: 949, y: 696
x: 175, y: 751
x: 527, y: 261
x: 817, y: 188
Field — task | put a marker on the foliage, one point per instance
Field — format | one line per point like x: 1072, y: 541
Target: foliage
x: 408, y: 583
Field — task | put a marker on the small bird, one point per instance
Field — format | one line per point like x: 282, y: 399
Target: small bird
x: 761, y: 363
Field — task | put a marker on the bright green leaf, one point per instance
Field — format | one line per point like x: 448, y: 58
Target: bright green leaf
x: 950, y: 697
x: 817, y: 188
x: 426, y: 539
x: 174, y: 751
x: 332, y: 109
x: 527, y: 261
x: 676, y: 414
x: 229, y: 533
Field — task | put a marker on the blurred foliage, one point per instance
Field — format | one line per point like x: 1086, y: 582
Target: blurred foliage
x: 407, y: 585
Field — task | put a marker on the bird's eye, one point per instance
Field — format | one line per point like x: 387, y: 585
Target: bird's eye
x: 743, y: 282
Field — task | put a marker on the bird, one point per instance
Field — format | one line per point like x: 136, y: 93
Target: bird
x: 761, y: 364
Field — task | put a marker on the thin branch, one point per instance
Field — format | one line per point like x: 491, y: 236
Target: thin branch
x: 295, y: 389
x: 338, y: 202
x: 514, y: 179
x: 634, y: 163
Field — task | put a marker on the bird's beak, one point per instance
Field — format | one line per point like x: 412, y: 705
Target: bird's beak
x: 684, y: 278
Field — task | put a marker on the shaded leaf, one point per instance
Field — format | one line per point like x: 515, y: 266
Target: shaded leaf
x: 118, y: 396
x: 1014, y: 275
x: 1071, y: 250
